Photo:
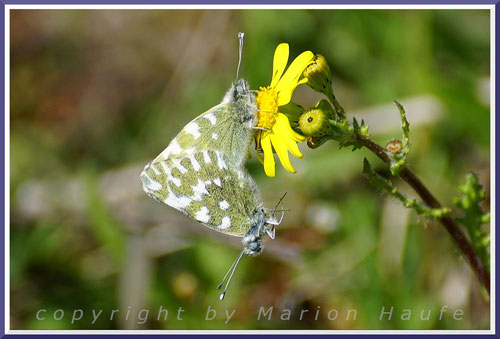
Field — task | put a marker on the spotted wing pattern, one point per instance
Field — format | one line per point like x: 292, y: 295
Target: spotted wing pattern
x: 219, y: 129
x: 206, y: 186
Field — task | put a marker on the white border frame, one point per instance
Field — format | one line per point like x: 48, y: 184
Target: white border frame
x: 8, y: 8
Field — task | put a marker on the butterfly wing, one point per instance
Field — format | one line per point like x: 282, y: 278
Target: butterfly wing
x: 223, y: 128
x: 206, y: 186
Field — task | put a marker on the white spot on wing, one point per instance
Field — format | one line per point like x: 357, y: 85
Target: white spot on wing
x: 220, y: 162
x: 194, y: 162
x: 211, y: 117
x: 177, y: 182
x: 206, y: 157
x: 217, y: 182
x: 173, y: 148
x: 225, y: 224
x: 168, y: 173
x: 179, y: 203
x: 199, y: 189
x: 193, y: 129
x: 149, y: 183
x: 178, y: 165
x: 166, y: 170
x: 202, y: 215
x: 224, y: 205
x: 155, y: 169
x: 214, y: 136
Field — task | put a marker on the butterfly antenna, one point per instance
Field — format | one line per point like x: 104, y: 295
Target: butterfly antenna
x: 227, y: 273
x: 282, y: 209
x: 231, y: 270
x: 241, y: 37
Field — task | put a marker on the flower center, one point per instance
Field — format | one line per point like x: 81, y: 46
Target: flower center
x: 267, y: 103
x: 314, y: 122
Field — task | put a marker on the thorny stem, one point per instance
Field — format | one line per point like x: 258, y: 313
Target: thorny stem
x: 449, y: 224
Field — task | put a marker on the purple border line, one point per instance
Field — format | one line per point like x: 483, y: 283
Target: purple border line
x: 493, y: 302
x: 2, y: 184
x: 250, y: 2
x: 275, y: 2
x: 281, y: 336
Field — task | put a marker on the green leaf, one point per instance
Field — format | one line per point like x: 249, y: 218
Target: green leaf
x: 473, y: 216
x: 405, y: 126
x: 398, y: 160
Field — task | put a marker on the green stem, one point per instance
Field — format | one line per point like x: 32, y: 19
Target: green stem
x: 358, y: 138
x: 384, y: 185
x: 449, y: 224
x: 338, y: 108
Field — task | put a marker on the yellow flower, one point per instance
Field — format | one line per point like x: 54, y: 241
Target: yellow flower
x: 274, y: 127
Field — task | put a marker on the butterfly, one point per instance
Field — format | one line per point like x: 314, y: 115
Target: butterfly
x: 201, y: 173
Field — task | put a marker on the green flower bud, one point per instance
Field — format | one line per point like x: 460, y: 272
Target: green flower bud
x: 319, y: 77
x: 314, y: 122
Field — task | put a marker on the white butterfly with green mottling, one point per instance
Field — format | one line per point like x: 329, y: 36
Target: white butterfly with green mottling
x: 201, y: 173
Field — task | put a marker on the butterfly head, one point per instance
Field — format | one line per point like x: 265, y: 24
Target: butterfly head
x: 242, y: 101
x: 239, y: 92
x: 241, y: 88
x: 263, y: 222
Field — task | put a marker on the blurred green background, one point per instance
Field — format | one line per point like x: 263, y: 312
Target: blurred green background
x: 96, y: 94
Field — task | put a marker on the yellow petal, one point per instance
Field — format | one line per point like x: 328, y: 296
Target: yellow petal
x: 293, y: 148
x: 285, y: 122
x: 279, y: 62
x: 282, y: 151
x: 290, y: 80
x: 269, y: 164
x: 296, y: 136
x: 282, y: 128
